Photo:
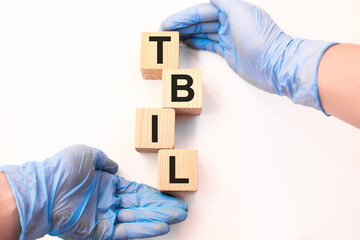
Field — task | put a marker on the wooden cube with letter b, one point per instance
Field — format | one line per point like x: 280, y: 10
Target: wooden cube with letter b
x: 182, y: 90
x: 154, y: 129
x: 159, y: 50
x: 177, y: 170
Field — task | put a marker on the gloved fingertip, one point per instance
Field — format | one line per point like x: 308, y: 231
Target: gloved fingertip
x: 177, y: 216
x: 165, y: 228
x: 182, y: 215
x: 166, y: 25
x: 112, y: 166
x: 184, y: 205
x: 104, y: 163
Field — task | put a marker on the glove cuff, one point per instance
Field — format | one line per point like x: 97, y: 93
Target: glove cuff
x: 316, y: 77
x: 31, y: 198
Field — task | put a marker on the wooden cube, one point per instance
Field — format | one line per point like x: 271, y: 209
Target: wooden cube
x: 154, y: 129
x: 177, y: 170
x: 159, y: 50
x: 182, y: 90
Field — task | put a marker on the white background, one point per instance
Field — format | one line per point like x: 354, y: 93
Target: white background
x: 268, y: 169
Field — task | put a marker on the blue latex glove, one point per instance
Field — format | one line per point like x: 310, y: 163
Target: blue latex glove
x: 254, y: 47
x: 75, y: 195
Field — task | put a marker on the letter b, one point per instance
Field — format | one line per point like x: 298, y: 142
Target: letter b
x: 187, y: 87
x: 182, y: 90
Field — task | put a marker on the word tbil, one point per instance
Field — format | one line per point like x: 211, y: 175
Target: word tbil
x: 155, y: 127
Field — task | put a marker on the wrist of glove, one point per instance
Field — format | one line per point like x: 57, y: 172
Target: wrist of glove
x: 289, y: 68
x: 32, y: 198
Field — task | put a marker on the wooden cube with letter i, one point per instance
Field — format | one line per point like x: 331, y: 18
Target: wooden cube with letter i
x: 177, y: 170
x: 159, y: 50
x: 154, y: 129
x: 182, y: 90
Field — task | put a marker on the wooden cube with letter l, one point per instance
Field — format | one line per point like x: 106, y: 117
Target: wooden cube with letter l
x: 177, y: 170
x: 182, y: 90
x: 154, y: 129
x: 159, y: 50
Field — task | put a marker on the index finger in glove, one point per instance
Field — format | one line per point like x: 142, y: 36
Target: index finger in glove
x: 168, y: 215
x: 150, y: 200
x: 205, y: 12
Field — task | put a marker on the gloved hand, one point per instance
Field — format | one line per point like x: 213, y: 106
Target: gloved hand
x: 254, y: 47
x: 75, y: 195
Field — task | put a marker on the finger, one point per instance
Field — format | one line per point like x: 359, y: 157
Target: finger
x: 226, y: 5
x: 102, y: 162
x: 134, y: 187
x: 139, y: 230
x: 207, y: 27
x: 150, y: 200
x: 210, y: 36
x: 223, y: 5
x: 204, y: 44
x: 205, y: 12
x: 167, y: 215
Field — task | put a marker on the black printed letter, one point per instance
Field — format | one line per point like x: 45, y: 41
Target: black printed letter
x: 173, y: 178
x: 175, y: 87
x: 160, y: 46
x: 154, y: 123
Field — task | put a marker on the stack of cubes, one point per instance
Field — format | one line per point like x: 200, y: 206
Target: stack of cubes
x: 181, y: 95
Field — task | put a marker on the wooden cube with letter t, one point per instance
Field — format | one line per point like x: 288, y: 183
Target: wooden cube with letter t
x: 159, y: 50
x: 177, y: 170
x: 154, y: 129
x: 182, y: 90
